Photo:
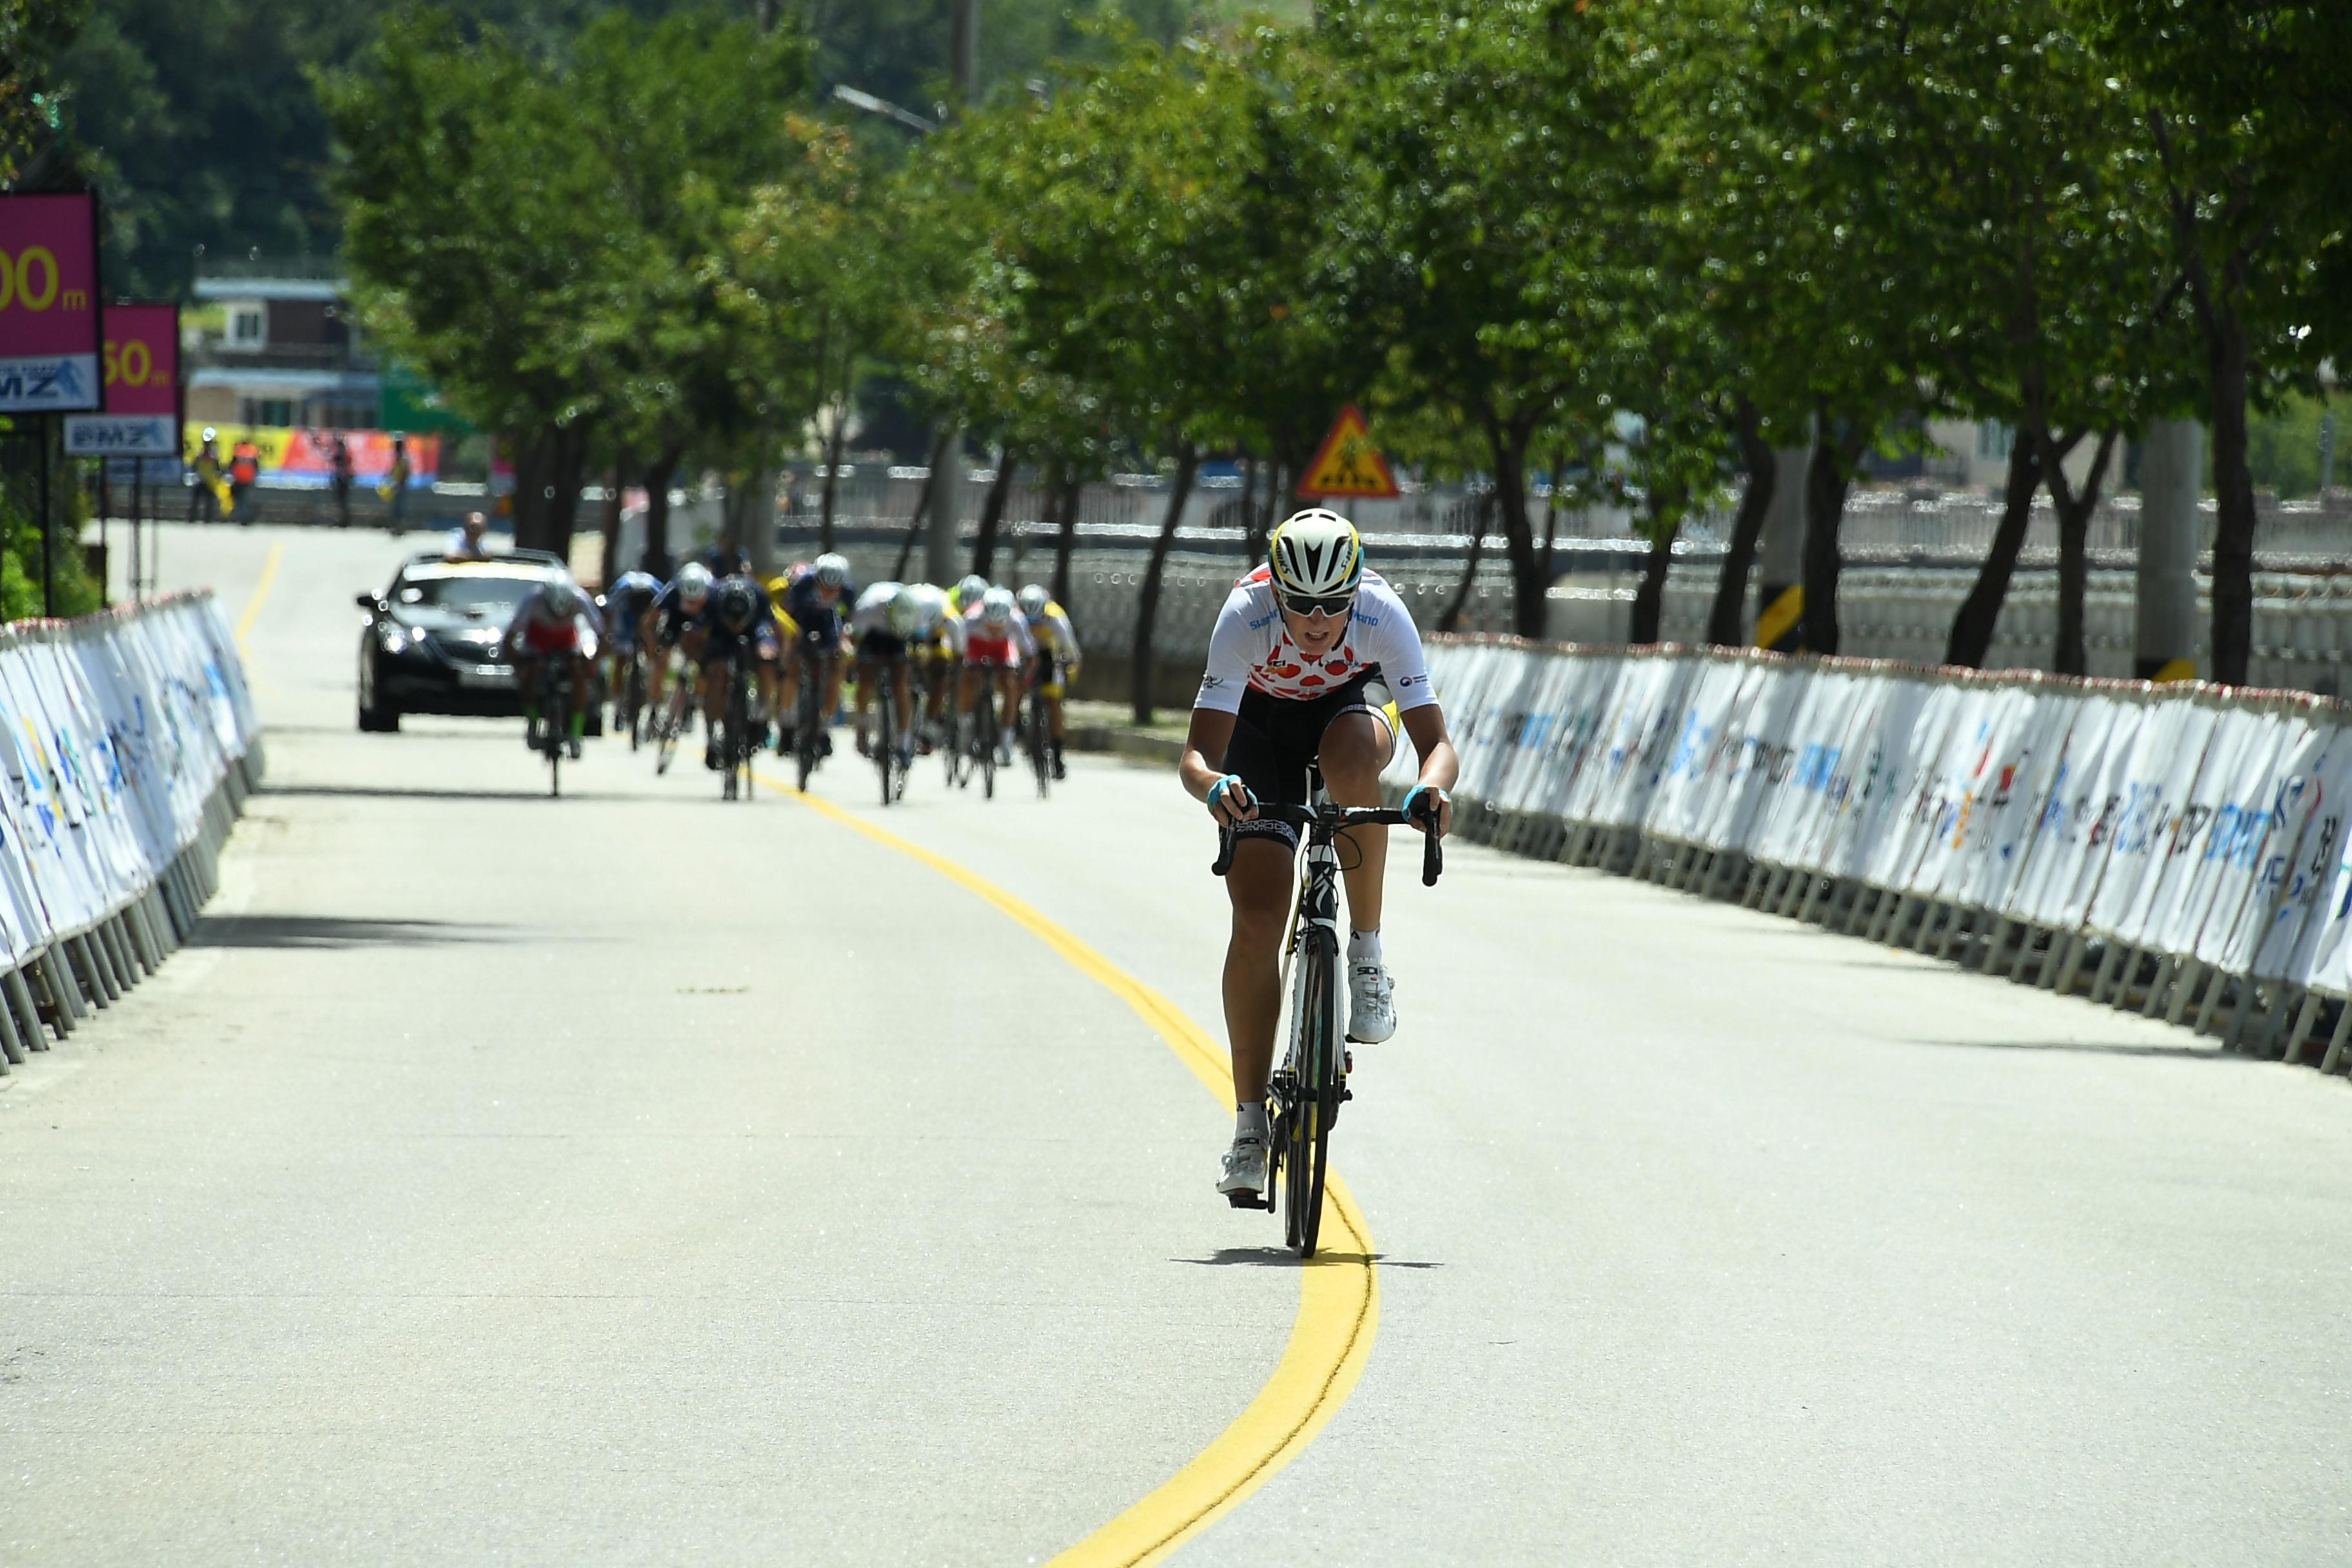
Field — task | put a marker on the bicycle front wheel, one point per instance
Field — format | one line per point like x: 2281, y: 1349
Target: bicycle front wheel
x: 885, y: 754
x: 1309, y: 1147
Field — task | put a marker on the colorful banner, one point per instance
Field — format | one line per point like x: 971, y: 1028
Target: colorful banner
x: 305, y: 459
x: 49, y: 332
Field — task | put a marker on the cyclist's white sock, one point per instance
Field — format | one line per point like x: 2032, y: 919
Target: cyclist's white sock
x: 1250, y: 1117
x: 1364, y: 946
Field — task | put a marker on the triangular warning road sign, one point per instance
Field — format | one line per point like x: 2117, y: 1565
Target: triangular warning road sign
x: 1347, y: 466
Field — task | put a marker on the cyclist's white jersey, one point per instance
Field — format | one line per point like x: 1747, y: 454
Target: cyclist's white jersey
x: 872, y: 613
x: 1251, y: 649
x: 930, y: 608
x: 1054, y: 634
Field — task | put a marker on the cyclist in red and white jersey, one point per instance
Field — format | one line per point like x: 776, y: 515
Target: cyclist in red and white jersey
x: 994, y: 644
x: 555, y: 620
x: 1314, y: 659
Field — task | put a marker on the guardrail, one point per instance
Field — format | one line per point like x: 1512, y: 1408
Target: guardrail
x: 2177, y: 850
x: 130, y: 743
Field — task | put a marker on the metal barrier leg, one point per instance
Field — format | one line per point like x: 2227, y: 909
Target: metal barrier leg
x: 2336, y: 1037
x: 2167, y: 969
x: 11, y: 1045
x: 2215, y: 995
x: 104, y: 941
x: 2240, y: 1014
x: 1929, y: 909
x: 99, y: 971
x: 143, y: 938
x: 19, y: 996
x: 2058, y: 974
x: 1794, y: 896
x: 67, y: 1007
x: 2115, y: 958
x: 1959, y: 930
x: 2305, y: 1018
x: 127, y: 972
x: 2193, y: 974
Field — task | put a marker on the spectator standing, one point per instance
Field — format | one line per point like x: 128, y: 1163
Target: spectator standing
x: 339, y: 459
x: 204, y: 494
x: 244, y: 473
x: 397, y: 483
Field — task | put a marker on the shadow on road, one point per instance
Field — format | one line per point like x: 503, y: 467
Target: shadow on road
x: 2209, y: 1051
x: 394, y: 791
x: 332, y: 931
x: 1283, y: 1258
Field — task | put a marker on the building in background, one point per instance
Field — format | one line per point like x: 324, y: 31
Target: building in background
x: 286, y: 353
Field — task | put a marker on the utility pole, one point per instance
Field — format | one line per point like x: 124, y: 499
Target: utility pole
x: 940, y: 536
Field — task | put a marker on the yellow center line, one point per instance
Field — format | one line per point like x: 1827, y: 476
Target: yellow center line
x: 260, y: 593
x: 1339, y: 1293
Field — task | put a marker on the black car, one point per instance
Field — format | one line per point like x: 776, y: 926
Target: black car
x: 431, y: 644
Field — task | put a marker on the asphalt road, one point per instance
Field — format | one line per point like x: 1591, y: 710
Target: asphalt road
x: 637, y: 1178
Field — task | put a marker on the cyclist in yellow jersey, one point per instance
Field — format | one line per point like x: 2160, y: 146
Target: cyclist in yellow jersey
x: 1058, y: 658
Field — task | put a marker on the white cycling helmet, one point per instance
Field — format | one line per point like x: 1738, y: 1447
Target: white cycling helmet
x: 996, y: 607
x: 1033, y: 601
x: 561, y: 599
x: 906, y: 614
x: 693, y: 584
x: 971, y: 590
x: 832, y: 569
x: 1316, y: 554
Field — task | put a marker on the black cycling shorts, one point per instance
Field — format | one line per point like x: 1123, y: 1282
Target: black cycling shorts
x: 886, y: 647
x: 1276, y: 738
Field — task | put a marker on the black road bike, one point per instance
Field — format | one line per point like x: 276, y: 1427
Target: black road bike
x: 556, y: 699
x: 1037, y: 734
x: 980, y: 755
x: 1310, y: 1082
x: 738, y: 743
x: 630, y: 712
x: 808, y: 726
x: 888, y: 761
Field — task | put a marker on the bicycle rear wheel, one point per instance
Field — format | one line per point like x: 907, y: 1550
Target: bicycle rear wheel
x: 559, y: 729
x: 1039, y: 736
x: 987, y: 729
x: 885, y: 754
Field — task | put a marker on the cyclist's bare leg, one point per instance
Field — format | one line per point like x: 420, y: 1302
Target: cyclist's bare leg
x: 792, y: 679
x: 1355, y: 749
x: 1258, y: 884
x: 764, y: 676
x: 900, y: 678
x: 835, y: 668
x: 527, y: 684
x: 1008, y: 683
x: 866, y: 668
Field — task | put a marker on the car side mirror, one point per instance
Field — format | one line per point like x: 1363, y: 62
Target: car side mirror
x: 365, y: 601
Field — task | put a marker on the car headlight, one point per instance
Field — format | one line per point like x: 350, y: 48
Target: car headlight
x: 397, y: 638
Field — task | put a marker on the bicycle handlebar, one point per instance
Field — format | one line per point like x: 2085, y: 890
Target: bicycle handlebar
x: 1339, y: 818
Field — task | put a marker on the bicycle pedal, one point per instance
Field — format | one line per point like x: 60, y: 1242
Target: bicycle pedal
x: 1249, y: 1201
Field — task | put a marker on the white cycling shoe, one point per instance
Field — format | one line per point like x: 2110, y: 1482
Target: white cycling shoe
x: 1372, y: 1003
x: 1245, y: 1169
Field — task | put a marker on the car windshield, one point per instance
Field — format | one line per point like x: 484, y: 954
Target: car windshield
x: 483, y: 596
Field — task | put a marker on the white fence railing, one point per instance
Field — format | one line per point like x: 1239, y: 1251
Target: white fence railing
x: 2178, y: 847
x: 130, y: 743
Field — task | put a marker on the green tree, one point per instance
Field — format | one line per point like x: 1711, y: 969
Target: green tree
x: 2245, y: 104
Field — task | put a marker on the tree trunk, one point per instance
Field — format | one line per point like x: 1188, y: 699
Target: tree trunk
x: 1450, y: 618
x: 2233, y: 495
x: 1650, y: 596
x: 1509, y: 442
x: 1065, y: 537
x: 1551, y: 513
x: 529, y: 482
x: 1146, y: 603
x: 1980, y: 613
x: 1827, y: 480
x: 613, y: 485
x: 992, y: 513
x: 832, y: 476
x: 924, y: 501
x: 657, y: 478
x: 1727, y: 619
x: 2072, y: 656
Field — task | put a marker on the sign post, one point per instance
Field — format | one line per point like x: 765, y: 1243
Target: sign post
x: 49, y: 332
x: 140, y: 380
x: 1347, y: 466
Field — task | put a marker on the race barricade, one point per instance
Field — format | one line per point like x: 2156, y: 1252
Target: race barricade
x: 130, y: 743
x: 2183, y: 850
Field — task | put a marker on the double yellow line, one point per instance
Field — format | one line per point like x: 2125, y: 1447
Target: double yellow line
x: 1339, y: 1293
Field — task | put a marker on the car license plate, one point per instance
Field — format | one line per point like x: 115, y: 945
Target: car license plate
x: 493, y: 676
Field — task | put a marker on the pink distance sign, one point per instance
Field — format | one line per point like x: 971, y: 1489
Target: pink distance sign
x: 49, y: 330
x: 138, y: 375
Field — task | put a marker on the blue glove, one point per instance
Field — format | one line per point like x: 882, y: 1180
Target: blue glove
x: 1430, y: 811
x: 1233, y: 781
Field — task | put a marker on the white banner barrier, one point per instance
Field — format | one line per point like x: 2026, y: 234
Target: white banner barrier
x: 2029, y: 821
x: 129, y: 743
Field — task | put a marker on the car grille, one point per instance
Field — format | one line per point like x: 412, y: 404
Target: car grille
x: 465, y: 651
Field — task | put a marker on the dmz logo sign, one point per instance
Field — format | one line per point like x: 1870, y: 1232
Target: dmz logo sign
x: 48, y: 383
